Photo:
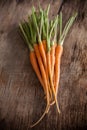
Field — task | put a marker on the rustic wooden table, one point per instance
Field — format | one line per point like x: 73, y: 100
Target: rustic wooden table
x: 21, y: 95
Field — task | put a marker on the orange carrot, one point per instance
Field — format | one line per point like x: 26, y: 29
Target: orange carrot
x: 42, y: 53
x: 49, y: 58
x: 52, y: 53
x: 36, y: 68
x: 50, y: 76
x: 39, y: 32
x: 43, y: 47
x: 58, y: 54
x: 41, y: 58
x: 46, y: 69
x: 43, y: 73
x: 33, y: 60
x: 59, y: 48
x: 52, y: 58
x: 53, y: 46
x: 38, y: 49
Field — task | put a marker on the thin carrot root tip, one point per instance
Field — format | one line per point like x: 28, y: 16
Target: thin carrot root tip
x: 52, y: 103
x: 45, y: 112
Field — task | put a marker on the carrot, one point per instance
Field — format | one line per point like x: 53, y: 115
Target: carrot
x: 59, y: 48
x: 43, y: 73
x: 41, y: 65
x: 32, y: 57
x: 43, y: 54
x: 50, y: 76
x: 38, y: 48
x: 49, y: 59
x: 45, y: 49
x: 40, y: 45
x: 52, y: 53
x: 52, y: 60
x: 36, y: 68
x: 44, y: 37
x: 58, y: 54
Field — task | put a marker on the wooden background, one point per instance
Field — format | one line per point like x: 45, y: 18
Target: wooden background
x: 21, y: 95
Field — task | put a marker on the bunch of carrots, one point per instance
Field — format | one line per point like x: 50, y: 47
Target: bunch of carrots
x: 45, y: 39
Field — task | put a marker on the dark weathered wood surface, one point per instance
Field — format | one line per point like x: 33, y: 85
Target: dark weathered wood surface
x: 21, y: 95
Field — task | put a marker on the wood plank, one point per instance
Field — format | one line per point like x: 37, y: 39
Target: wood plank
x: 21, y: 95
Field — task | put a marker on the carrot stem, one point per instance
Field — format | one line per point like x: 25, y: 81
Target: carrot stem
x: 26, y: 38
x: 66, y: 29
x: 35, y: 24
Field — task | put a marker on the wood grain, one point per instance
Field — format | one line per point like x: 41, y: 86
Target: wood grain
x: 21, y: 95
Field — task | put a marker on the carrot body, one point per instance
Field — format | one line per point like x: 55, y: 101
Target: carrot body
x: 36, y: 68
x: 43, y: 73
x: 42, y: 49
x: 43, y: 55
x: 58, y: 54
x: 49, y: 62
x: 52, y: 58
x: 50, y: 76
x: 52, y: 54
x: 40, y: 63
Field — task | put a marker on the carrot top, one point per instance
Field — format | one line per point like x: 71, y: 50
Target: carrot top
x: 26, y: 35
x: 44, y: 28
x: 38, y: 30
x: 66, y: 29
x: 50, y: 31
